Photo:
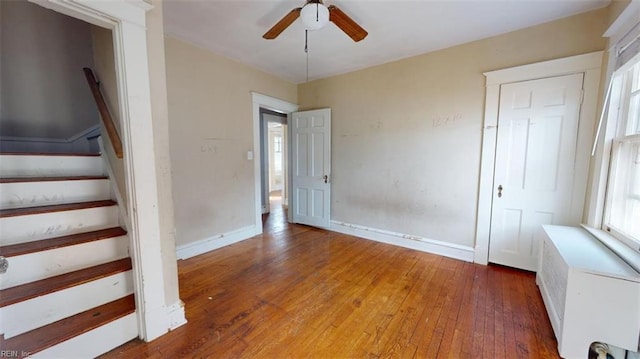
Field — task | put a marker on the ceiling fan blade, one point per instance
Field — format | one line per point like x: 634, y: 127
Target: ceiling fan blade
x: 346, y: 24
x: 282, y: 24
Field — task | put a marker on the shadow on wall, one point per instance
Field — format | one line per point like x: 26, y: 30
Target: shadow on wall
x: 46, y: 103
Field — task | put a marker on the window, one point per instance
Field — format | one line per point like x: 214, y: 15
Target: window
x: 622, y: 211
x: 277, y: 145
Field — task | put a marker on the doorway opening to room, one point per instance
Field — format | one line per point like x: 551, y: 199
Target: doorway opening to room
x: 274, y: 165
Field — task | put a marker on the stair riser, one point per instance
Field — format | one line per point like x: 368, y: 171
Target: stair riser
x: 20, y: 229
x: 32, y: 194
x: 95, y: 342
x: 31, y: 314
x: 50, y: 166
x: 39, y: 265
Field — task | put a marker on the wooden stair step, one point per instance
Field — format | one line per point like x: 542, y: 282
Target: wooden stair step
x: 67, y: 328
x: 50, y: 179
x: 55, y: 208
x: 48, y: 285
x: 64, y: 241
x: 63, y: 154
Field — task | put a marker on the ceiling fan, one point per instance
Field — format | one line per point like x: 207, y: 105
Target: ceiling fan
x: 315, y: 15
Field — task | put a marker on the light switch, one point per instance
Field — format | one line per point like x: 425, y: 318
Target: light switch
x: 249, y: 155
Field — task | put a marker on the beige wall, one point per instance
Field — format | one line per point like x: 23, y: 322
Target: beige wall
x: 44, y: 92
x: 210, y: 122
x: 407, y: 135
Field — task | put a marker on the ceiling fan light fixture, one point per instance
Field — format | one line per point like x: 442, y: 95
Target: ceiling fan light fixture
x: 314, y: 15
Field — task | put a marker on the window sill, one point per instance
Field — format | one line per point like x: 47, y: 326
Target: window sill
x: 626, y: 253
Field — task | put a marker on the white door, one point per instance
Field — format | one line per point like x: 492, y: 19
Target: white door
x: 311, y: 167
x: 534, y: 165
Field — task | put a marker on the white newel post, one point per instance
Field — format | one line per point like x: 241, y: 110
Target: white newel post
x: 139, y: 158
x: 127, y: 19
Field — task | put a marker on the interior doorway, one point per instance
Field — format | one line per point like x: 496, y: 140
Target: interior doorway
x: 274, y: 160
x: 534, y: 166
x: 282, y: 109
x: 586, y: 64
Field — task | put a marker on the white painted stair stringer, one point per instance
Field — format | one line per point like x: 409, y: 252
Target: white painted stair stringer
x: 39, y: 265
x: 27, y: 315
x: 45, y: 193
x: 20, y: 229
x: 95, y: 342
x: 50, y: 166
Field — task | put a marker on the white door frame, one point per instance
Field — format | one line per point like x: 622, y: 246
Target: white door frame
x: 589, y: 64
x: 274, y: 104
x: 127, y: 20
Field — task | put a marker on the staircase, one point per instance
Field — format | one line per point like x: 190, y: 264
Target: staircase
x: 68, y: 288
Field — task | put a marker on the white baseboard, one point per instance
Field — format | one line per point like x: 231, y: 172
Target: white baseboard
x: 77, y: 143
x: 175, y: 315
x: 450, y: 250
x: 218, y: 241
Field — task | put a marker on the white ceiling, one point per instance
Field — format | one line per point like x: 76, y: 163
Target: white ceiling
x: 397, y: 29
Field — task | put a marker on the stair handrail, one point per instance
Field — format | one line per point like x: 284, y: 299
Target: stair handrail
x: 104, y: 112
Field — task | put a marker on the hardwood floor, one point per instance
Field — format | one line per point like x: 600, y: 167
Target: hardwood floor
x: 299, y: 292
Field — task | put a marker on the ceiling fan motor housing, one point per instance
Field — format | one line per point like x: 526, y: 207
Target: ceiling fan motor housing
x: 314, y: 15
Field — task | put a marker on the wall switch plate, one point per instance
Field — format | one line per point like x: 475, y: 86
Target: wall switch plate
x: 249, y: 155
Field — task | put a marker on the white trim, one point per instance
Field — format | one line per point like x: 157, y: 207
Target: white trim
x: 78, y: 143
x: 589, y: 64
x: 208, y: 244
x: 271, y: 103
x: 71, y: 139
x: 176, y: 315
x: 127, y: 20
x: 551, y: 68
x: 623, y: 24
x: 405, y: 240
x: 84, y: 133
x: 101, y: 13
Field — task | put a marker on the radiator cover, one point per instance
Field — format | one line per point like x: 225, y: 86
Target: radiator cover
x: 589, y: 292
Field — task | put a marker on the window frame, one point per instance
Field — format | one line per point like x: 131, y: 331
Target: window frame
x: 607, y: 225
x: 618, y: 108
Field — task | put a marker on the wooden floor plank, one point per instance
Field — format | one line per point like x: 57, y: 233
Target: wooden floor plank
x: 300, y: 292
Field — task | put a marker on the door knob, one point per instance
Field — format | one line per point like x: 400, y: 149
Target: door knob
x: 325, y: 178
x: 499, y: 191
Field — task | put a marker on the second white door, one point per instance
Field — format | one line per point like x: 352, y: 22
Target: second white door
x: 534, y: 166
x: 311, y: 167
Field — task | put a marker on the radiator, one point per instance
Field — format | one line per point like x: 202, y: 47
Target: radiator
x: 589, y: 292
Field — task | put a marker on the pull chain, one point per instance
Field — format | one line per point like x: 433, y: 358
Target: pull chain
x: 306, y: 51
